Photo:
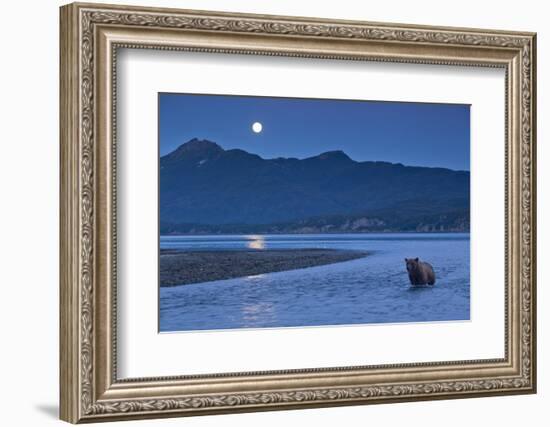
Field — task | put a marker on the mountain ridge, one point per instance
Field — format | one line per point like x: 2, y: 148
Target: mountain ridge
x: 205, y: 187
x: 207, y: 144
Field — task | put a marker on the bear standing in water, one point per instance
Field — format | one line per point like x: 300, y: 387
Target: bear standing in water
x: 420, y: 273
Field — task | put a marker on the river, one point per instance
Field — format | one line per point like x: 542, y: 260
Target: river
x: 374, y: 289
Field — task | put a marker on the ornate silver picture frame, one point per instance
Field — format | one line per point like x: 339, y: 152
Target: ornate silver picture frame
x: 91, y: 36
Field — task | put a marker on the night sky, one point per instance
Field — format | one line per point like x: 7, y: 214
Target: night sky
x: 417, y: 134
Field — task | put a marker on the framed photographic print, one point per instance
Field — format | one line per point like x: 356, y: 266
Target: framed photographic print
x: 264, y: 212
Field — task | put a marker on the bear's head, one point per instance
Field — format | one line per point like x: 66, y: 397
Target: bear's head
x: 412, y: 264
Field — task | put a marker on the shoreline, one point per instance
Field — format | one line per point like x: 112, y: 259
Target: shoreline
x: 179, y: 267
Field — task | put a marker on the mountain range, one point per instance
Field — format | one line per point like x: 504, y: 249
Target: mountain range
x: 206, y: 189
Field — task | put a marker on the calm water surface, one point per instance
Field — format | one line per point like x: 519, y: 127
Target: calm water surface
x: 374, y: 289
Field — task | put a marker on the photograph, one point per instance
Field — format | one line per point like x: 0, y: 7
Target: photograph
x: 299, y: 212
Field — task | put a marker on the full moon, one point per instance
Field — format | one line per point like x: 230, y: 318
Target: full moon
x: 257, y: 127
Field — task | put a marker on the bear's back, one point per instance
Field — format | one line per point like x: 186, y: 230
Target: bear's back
x: 428, y: 272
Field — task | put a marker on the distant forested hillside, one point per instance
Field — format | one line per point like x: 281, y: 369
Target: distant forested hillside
x: 206, y: 189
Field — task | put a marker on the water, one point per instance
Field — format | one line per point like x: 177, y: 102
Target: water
x: 374, y: 289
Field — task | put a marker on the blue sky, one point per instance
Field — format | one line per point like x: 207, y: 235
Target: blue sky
x: 419, y: 134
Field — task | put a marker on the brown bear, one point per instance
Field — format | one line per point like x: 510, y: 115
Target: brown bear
x: 420, y: 273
